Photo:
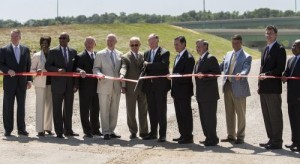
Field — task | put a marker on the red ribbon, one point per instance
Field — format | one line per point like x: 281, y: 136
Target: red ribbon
x: 72, y: 74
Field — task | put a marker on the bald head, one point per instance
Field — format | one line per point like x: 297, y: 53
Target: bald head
x: 296, y: 47
x: 111, y: 41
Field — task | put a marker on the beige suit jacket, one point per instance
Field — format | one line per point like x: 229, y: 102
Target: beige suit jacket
x: 103, y: 66
x: 38, y: 62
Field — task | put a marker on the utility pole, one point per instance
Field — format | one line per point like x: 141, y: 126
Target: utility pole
x: 57, y: 9
x: 203, y: 6
x: 295, y: 6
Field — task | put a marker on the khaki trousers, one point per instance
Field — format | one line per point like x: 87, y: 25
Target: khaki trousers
x: 109, y: 105
x: 131, y: 99
x: 44, y: 108
x: 234, y: 107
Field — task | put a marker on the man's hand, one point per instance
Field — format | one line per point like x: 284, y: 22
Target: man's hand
x: 200, y: 75
x: 11, y: 73
x: 29, y: 84
x: 82, y: 73
x: 100, y: 76
x: 262, y: 76
x: 122, y: 77
x: 283, y: 79
x: 168, y: 77
x: 238, y: 77
x: 145, y: 63
x: 61, y: 70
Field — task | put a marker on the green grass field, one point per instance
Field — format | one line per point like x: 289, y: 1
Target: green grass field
x: 167, y: 33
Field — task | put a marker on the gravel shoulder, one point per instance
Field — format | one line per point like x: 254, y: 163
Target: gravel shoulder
x: 49, y: 149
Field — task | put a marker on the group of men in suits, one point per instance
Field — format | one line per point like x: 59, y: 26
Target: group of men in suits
x: 151, y: 94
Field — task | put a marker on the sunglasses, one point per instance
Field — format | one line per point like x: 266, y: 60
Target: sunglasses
x: 134, y: 45
x: 62, y: 38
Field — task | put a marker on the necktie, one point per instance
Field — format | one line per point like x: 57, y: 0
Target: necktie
x: 65, y: 55
x: 266, y: 54
x: 232, y: 62
x: 197, y: 65
x: 17, y: 54
x: 294, y: 64
x: 152, y: 55
x: 112, y: 58
x: 92, y: 56
x: 177, y: 59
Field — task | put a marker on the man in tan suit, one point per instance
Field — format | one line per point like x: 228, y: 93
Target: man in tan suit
x: 132, y: 64
x: 108, y: 63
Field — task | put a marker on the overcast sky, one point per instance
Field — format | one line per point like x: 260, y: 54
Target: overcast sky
x: 23, y: 10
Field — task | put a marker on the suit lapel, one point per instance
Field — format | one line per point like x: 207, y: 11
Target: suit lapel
x: 157, y: 54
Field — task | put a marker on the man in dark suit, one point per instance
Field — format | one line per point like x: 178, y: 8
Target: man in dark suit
x: 156, y: 61
x: 61, y: 59
x: 272, y: 63
x: 293, y: 95
x: 88, y: 97
x: 182, y: 91
x: 207, y: 93
x: 15, y: 58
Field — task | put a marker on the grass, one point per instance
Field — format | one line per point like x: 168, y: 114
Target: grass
x: 30, y: 37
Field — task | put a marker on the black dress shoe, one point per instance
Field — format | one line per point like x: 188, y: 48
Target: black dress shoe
x: 150, y: 137
x: 142, y: 135
x: 291, y: 146
x: 132, y: 136
x: 186, y: 141
x: 23, y: 133
x: 239, y: 141
x: 41, y: 134
x: 202, y: 142
x: 209, y: 143
x: 161, y: 139
x: 264, y: 144
x: 114, y: 136
x: 71, y: 134
x: 97, y: 133
x: 6, y: 134
x: 295, y: 149
x: 48, y: 132
x: 177, y: 139
x: 106, y: 137
x: 228, y: 140
x: 273, y: 147
x: 88, y: 135
x: 59, y: 136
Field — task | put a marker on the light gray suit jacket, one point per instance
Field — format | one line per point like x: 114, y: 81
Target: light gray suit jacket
x: 38, y: 62
x: 242, y: 65
x: 104, y: 66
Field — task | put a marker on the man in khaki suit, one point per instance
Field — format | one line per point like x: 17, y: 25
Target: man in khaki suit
x: 132, y: 64
x: 108, y: 63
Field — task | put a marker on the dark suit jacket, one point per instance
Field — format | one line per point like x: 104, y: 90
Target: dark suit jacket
x: 8, y: 61
x: 273, y: 66
x: 55, y: 61
x: 159, y: 66
x: 293, y: 86
x: 84, y: 62
x: 207, y: 87
x: 183, y: 87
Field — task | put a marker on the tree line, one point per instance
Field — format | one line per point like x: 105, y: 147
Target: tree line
x: 109, y: 18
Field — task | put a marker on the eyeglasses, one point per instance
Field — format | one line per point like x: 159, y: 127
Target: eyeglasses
x: 134, y: 45
x: 62, y: 38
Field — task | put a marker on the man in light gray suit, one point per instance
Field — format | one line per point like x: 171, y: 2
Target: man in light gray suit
x: 108, y: 63
x: 236, y: 89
